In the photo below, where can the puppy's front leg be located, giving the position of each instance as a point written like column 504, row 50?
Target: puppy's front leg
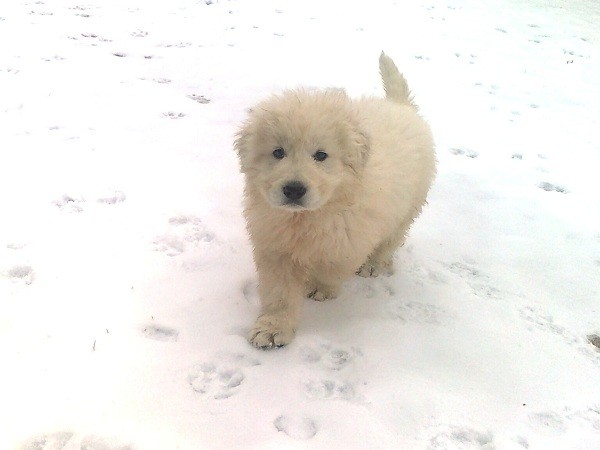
column 281, row 289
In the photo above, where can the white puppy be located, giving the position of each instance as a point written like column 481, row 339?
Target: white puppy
column 332, row 187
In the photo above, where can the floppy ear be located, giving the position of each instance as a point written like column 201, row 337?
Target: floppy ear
column 241, row 144
column 358, row 145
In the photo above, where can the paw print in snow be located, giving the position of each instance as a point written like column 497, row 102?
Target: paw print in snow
column 199, row 98
column 93, row 36
column 70, row 204
column 548, row 421
column 16, row 245
column 185, row 231
column 215, row 382
column 590, row 415
column 549, row 187
column 324, row 378
column 558, row 422
column 116, row 197
column 547, row 324
column 327, row 356
column 67, row 440
column 464, row 270
column 173, row 115
column 221, row 379
column 462, row 152
column 160, row 333
column 51, row 441
column 417, row 312
column 23, row 274
column 325, row 388
column 461, row 437
column 478, row 281
column 301, row 428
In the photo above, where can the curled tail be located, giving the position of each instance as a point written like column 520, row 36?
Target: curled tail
column 396, row 88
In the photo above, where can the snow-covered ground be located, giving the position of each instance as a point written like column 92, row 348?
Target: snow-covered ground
column 126, row 278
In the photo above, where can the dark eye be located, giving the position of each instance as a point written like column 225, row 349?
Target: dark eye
column 320, row 156
column 279, row 153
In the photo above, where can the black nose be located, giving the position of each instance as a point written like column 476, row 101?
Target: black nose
column 294, row 190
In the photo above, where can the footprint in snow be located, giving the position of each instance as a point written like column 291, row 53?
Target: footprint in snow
column 22, row 274
column 464, row 152
column 51, row 441
column 548, row 421
column 416, row 312
column 173, row 115
column 160, row 333
column 184, row 232
column 296, row 427
column 326, row 377
column 116, row 197
column 423, row 275
column 546, row 323
column 70, row 204
column 16, row 245
column 461, row 437
column 549, row 187
column 222, row 378
column 326, row 388
column 199, row 98
column 93, row 36
column 328, row 356
column 586, row 345
column 63, row 440
column 178, row 45
column 478, row 281
column 557, row 422
column 589, row 415
column 216, row 382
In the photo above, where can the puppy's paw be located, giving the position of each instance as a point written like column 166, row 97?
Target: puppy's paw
column 270, row 332
column 322, row 293
column 372, row 269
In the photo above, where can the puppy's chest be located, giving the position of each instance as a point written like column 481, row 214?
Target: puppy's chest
column 311, row 239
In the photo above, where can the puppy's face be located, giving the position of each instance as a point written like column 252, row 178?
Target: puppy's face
column 298, row 149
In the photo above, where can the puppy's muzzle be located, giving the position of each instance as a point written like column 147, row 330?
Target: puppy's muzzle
column 294, row 191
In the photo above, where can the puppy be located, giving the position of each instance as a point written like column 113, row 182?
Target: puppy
column 332, row 187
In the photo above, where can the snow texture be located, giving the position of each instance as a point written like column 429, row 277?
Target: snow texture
column 126, row 277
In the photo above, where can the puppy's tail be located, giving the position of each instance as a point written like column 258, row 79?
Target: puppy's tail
column 396, row 88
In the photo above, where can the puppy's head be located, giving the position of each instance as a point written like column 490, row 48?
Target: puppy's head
column 297, row 149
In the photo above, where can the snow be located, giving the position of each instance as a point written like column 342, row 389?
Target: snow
column 126, row 277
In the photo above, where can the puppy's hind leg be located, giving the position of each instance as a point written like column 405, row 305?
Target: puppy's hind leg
column 320, row 291
column 381, row 260
column 327, row 279
column 280, row 288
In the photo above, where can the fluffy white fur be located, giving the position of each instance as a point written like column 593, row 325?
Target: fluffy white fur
column 359, row 203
